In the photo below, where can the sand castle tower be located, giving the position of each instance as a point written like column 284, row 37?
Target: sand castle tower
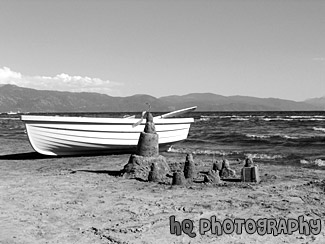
column 189, row 167
column 188, row 173
column 250, row 172
column 146, row 163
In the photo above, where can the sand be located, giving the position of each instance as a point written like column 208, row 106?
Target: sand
column 83, row 200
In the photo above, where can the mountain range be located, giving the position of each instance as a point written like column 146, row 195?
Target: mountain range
column 14, row 98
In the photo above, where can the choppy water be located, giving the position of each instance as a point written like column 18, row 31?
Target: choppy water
column 283, row 137
column 288, row 137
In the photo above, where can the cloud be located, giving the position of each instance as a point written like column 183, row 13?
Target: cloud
column 61, row 82
column 7, row 74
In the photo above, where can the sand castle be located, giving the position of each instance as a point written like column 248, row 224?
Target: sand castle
column 146, row 163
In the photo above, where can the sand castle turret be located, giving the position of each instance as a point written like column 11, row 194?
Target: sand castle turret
column 217, row 166
column 146, row 163
column 250, row 172
column 226, row 171
column 178, row 178
column 212, row 177
column 189, row 168
column 148, row 145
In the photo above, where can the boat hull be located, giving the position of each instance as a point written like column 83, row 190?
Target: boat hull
column 60, row 136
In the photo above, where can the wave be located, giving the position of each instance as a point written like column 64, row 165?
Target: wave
column 240, row 119
column 263, row 156
column 204, row 118
column 293, row 137
column 197, row 151
column 257, row 136
column 274, row 136
column 276, row 119
column 319, row 129
column 198, row 140
column 316, row 162
column 306, row 117
column 265, row 117
column 293, row 119
column 232, row 117
column 296, row 136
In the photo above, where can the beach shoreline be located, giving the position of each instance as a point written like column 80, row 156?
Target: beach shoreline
column 83, row 200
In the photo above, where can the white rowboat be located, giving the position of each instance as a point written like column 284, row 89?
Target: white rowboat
column 59, row 135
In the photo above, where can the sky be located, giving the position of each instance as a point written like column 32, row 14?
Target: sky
column 261, row 48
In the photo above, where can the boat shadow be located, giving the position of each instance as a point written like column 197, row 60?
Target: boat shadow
column 23, row 156
column 36, row 155
column 108, row 172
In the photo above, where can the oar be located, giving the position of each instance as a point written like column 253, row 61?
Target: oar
column 176, row 113
column 142, row 116
column 141, row 119
column 168, row 115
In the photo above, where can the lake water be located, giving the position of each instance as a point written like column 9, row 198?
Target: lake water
column 285, row 137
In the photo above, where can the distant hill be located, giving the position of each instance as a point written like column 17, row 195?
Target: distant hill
column 14, row 98
column 318, row 102
column 213, row 102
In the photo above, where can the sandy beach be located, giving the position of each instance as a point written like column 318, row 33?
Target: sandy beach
column 84, row 200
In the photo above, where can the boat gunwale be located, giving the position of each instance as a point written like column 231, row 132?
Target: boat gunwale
column 100, row 120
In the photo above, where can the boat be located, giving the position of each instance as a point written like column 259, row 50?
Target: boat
column 64, row 135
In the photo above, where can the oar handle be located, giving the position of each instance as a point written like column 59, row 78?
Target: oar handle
column 177, row 112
